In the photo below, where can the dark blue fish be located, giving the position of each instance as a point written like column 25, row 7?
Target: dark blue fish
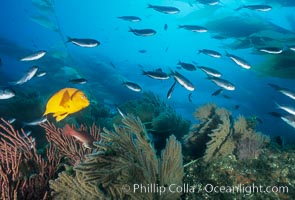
column 209, row 2
column 157, row 74
column 142, row 32
column 164, row 9
column 217, row 92
column 142, row 51
column 226, row 96
column 165, row 27
column 187, row 66
column 112, row 64
column 84, row 42
column 132, row 86
column 271, row 50
column 78, row 81
column 194, row 28
column 130, row 18
column 211, row 53
column 190, row 96
column 170, row 91
column 262, row 8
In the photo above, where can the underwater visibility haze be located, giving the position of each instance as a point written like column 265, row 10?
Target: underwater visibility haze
column 99, row 97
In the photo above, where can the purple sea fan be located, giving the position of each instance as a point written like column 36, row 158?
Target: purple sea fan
column 250, row 147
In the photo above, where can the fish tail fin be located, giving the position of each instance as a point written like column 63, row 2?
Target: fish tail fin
column 143, row 72
column 171, row 72
column 150, row 6
column 130, row 29
column 179, row 62
column 276, row 87
column 239, row 8
column 180, row 26
column 200, row 51
column 278, row 105
column 69, row 39
column 24, row 124
column 13, row 83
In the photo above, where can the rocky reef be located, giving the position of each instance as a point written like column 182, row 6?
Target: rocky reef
column 221, row 157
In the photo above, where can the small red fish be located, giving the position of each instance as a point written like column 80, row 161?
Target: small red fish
column 83, row 137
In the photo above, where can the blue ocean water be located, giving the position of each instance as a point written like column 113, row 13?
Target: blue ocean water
column 29, row 26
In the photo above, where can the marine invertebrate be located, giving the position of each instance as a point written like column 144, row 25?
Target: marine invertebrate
column 24, row 174
column 219, row 135
column 123, row 157
column 249, row 143
column 68, row 146
column 222, row 136
column 159, row 119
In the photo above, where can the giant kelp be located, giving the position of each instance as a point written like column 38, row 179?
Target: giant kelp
column 123, row 157
column 281, row 65
column 239, row 26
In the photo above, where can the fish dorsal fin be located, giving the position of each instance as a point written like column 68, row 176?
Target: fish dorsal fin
column 158, row 70
column 65, row 99
column 74, row 94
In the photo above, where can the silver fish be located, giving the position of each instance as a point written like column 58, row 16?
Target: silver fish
column 290, row 120
column 35, row 122
column 239, row 61
column 194, row 28
column 170, row 91
column 288, row 109
column 187, row 66
column 157, row 74
column 284, row 91
column 271, row 50
column 142, row 32
column 28, row 133
column 78, row 81
column 89, row 43
column 34, row 56
column 210, row 71
column 222, row 83
column 292, row 47
column 262, row 8
column 6, row 93
column 121, row 112
column 209, row 2
column 130, row 18
column 11, row 120
column 28, row 76
column 164, row 9
column 211, row 53
column 183, row 81
column 40, row 74
column 133, row 86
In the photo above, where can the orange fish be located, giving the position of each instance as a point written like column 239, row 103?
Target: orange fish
column 65, row 102
column 85, row 138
